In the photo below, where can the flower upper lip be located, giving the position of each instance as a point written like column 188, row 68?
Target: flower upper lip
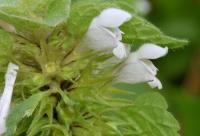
column 104, row 33
column 113, row 17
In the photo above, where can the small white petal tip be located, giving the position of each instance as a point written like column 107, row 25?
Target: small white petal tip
column 113, row 17
column 151, row 51
column 156, row 84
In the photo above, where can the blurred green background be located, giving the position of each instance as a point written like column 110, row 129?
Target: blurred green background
column 180, row 69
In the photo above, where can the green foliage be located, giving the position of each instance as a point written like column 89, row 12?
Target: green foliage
column 151, row 108
column 31, row 18
column 139, row 31
column 25, row 109
column 123, row 115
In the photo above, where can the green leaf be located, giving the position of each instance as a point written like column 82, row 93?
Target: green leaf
column 139, row 31
column 33, row 16
column 25, row 109
column 148, row 117
column 127, row 5
column 38, row 126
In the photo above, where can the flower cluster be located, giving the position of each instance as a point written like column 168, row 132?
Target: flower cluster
column 104, row 35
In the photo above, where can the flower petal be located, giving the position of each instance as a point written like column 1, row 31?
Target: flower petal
column 151, row 51
column 118, row 33
column 120, row 51
column 150, row 66
column 94, row 23
column 100, row 39
column 156, row 83
column 113, row 17
column 134, row 72
column 7, row 95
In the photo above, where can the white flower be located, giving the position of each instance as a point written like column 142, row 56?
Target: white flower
column 104, row 33
column 138, row 68
column 5, row 99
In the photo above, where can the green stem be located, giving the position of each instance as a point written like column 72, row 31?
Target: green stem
column 44, row 50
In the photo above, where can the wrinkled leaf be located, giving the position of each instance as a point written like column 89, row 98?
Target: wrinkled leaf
column 148, row 117
column 139, row 31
